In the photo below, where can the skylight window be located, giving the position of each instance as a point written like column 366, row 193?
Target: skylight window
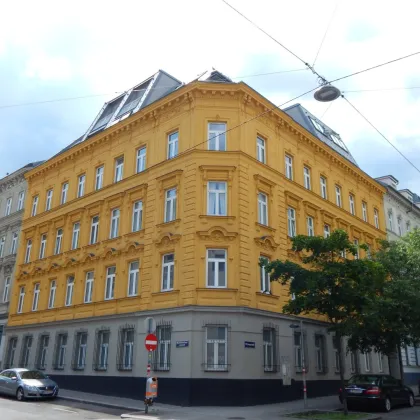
column 107, row 114
column 317, row 125
column 134, row 99
column 336, row 139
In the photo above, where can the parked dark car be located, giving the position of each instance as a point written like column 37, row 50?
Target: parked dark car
column 377, row 391
column 25, row 383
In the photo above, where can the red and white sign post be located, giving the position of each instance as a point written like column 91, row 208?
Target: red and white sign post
column 150, row 343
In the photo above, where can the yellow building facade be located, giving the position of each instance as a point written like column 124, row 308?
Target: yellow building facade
column 171, row 229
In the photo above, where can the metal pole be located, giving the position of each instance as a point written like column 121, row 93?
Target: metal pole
column 149, row 360
column 305, row 398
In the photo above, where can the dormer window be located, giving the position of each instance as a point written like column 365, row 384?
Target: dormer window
column 317, row 125
column 107, row 114
column 337, row 140
column 133, row 99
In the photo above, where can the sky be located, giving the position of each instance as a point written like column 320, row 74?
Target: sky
column 92, row 49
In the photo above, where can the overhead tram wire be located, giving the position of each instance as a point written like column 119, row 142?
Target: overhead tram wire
column 380, row 89
column 381, row 134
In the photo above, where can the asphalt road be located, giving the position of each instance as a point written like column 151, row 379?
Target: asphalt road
column 10, row 409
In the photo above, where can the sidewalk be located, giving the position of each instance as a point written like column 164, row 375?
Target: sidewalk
column 164, row 411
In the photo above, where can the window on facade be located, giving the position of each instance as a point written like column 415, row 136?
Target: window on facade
column 317, row 125
column 58, row 241
column 115, row 223
column 288, row 166
column 351, row 204
column 367, row 361
column 323, row 187
column 217, row 136
column 41, row 362
column 356, row 244
column 269, row 348
column 42, row 246
column 163, row 351
column 51, row 297
column 110, row 283
column 75, row 236
column 390, row 221
column 262, row 209
column 364, row 212
column 137, row 216
column 141, row 160
column 35, row 299
column 34, row 206
column 399, row 226
column 376, row 218
column 133, row 278
column 298, row 351
column 172, row 145
column 170, row 205
column 2, row 242
column 81, row 186
column 336, row 359
column 261, row 150
column 21, row 199
column 79, row 357
column 89, row 287
column 320, row 356
column 327, row 231
column 26, row 351
column 28, row 251
column 291, row 222
column 265, row 285
column 216, row 199
column 64, row 191
column 94, row 230
column 8, row 206
column 380, row 362
column 310, row 226
column 216, row 268
column 69, row 291
column 48, row 201
column 13, row 247
column 99, row 178
column 168, row 266
column 11, row 352
column 6, row 290
column 126, row 349
column 216, row 348
column 307, row 177
column 119, row 167
column 368, row 252
column 338, row 195
column 407, row 226
column 60, row 353
column 101, row 352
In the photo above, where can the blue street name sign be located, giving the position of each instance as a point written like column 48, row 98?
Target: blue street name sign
column 250, row 344
column 182, row 344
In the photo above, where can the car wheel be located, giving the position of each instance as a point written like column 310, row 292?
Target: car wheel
column 387, row 405
column 20, row 395
column 411, row 400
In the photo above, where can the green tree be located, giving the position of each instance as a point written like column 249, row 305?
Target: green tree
column 327, row 283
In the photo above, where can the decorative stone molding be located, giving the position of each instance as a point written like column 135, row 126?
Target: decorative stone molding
column 263, row 184
column 167, row 239
column 267, row 243
column 217, row 234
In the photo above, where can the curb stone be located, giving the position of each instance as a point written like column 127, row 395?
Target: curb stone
column 99, row 404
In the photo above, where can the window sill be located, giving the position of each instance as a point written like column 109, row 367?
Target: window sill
column 266, row 227
column 135, row 233
column 213, row 216
column 220, row 289
column 111, row 239
column 166, row 292
column 164, row 224
column 268, row 295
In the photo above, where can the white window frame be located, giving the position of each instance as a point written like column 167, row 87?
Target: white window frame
column 262, row 208
column 75, row 236
column 2, row 245
column 119, row 169
column 58, row 241
column 99, row 177
column 45, row 340
column 48, row 200
column 115, row 223
column 307, row 177
column 215, row 342
column 356, row 244
column 291, row 222
column 34, row 205
column 6, row 290
column 26, row 350
column 133, row 278
column 380, row 362
column 265, row 283
column 170, row 205
column 89, row 283
column 310, row 226
column 399, row 226
column 261, row 150
column 323, row 187
column 69, row 291
column 103, row 346
column 338, row 201
column 13, row 247
column 8, row 209
column 141, row 160
column 64, row 191
column 127, row 363
column 269, row 348
column 35, row 299
column 376, row 217
column 28, row 251
column 170, row 268
column 43, row 246
column 94, row 230
column 137, row 219
column 214, row 135
column 352, row 205
column 391, row 221
column 21, row 300
column 51, row 295
column 81, row 186
column 327, row 230
column 62, row 345
column 367, row 361
column 81, row 350
column 21, row 199
column 288, row 167
column 364, row 211
column 218, row 282
column 217, row 195
column 319, row 353
column 111, row 273
column 164, row 347
column 172, row 144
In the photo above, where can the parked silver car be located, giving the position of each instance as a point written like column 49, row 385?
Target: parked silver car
column 25, row 383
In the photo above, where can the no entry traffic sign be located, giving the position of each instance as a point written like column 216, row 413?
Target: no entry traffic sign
column 150, row 342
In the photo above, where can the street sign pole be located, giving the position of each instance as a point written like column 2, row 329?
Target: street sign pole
column 150, row 343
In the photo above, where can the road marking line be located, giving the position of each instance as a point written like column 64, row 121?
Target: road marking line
column 63, row 409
